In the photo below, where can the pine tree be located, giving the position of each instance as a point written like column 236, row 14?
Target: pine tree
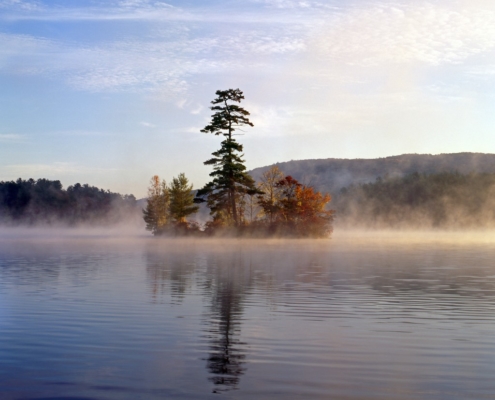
column 230, row 181
column 181, row 199
column 156, row 213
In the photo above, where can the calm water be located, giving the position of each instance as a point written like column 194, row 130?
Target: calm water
column 355, row 317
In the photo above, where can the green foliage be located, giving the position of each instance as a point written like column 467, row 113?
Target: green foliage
column 157, row 211
column 181, row 199
column 230, row 181
column 168, row 207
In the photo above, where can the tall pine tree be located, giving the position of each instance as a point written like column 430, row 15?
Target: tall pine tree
column 230, row 180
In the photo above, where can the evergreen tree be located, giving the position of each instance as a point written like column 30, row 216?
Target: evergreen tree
column 156, row 214
column 230, row 181
column 181, row 199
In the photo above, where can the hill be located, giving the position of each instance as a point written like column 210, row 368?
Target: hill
column 332, row 174
column 443, row 200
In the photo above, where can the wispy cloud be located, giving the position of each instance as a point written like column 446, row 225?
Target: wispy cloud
column 147, row 124
column 368, row 35
column 406, row 33
column 21, row 5
column 141, row 65
column 131, row 10
column 11, row 137
column 294, row 4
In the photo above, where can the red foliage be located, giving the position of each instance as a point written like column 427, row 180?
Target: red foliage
column 301, row 211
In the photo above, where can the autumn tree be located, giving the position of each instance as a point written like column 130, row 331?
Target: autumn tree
column 313, row 219
column 288, row 203
column 230, row 180
column 156, row 214
column 271, row 192
column 251, row 207
column 181, row 199
column 298, row 210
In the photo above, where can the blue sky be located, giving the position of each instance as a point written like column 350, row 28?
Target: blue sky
column 112, row 92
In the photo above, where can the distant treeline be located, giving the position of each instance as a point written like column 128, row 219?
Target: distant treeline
column 42, row 201
column 333, row 174
column 442, row 200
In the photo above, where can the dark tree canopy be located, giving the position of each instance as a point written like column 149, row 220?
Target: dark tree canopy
column 227, row 116
column 44, row 201
column 230, row 180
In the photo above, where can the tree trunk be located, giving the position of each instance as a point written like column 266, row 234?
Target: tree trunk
column 232, row 204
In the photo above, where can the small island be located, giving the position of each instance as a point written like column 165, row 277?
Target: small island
column 278, row 206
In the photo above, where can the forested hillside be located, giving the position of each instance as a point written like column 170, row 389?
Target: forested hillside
column 332, row 174
column 443, row 200
column 30, row 202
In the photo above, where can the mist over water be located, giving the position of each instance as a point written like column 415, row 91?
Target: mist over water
column 375, row 315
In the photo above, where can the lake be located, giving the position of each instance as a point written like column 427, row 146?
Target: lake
column 360, row 316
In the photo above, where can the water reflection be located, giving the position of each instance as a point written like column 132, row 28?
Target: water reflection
column 39, row 265
column 252, row 319
column 171, row 273
column 317, row 283
column 229, row 279
column 224, row 284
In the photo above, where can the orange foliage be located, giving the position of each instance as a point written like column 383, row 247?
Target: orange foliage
column 300, row 211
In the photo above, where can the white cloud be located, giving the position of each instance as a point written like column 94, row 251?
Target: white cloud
column 133, row 4
column 16, row 45
column 21, row 5
column 142, row 65
column 11, row 137
column 147, row 124
column 421, row 32
column 292, row 4
column 285, row 3
column 126, row 10
column 323, row 47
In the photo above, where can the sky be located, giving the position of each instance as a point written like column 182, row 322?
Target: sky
column 112, row 92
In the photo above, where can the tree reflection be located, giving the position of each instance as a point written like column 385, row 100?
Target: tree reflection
column 311, row 282
column 229, row 278
column 225, row 361
column 223, row 282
